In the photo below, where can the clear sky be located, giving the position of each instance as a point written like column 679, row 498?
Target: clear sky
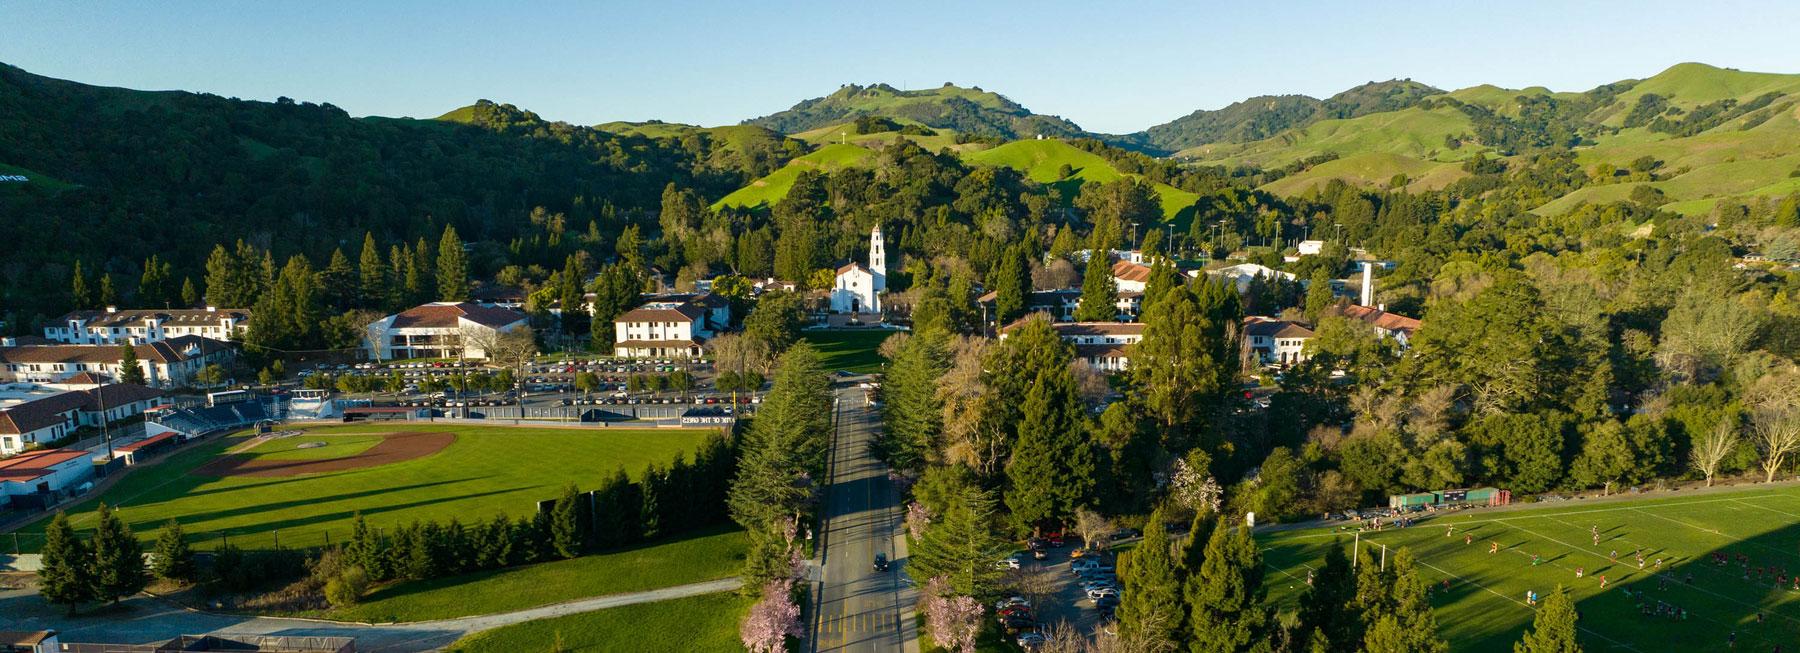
column 1110, row 67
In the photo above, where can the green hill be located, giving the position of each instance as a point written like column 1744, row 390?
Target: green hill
column 1262, row 117
column 845, row 132
column 1041, row 161
column 1412, row 132
column 970, row 110
column 774, row 186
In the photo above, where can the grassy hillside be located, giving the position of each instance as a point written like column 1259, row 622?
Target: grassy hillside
column 1412, row 132
column 943, row 137
column 1041, row 160
column 774, row 186
column 1370, row 170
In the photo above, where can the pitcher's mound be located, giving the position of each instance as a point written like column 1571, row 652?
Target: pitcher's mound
column 393, row 448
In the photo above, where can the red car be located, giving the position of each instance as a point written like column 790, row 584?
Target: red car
column 1055, row 540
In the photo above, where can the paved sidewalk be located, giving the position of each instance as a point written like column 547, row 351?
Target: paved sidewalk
column 147, row 619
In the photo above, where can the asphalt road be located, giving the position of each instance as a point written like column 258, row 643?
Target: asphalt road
column 860, row 609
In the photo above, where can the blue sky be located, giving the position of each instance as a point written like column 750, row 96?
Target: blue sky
column 1113, row 68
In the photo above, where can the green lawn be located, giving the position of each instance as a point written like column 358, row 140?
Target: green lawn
column 487, row 471
column 695, row 558
column 698, row 623
column 849, row 349
column 1484, row 609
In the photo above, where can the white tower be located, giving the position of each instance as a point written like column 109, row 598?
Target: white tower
column 878, row 259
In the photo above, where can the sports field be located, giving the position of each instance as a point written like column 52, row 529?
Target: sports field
column 304, row 487
column 697, row 624
column 1484, row 607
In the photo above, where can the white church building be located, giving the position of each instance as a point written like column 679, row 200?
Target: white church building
column 858, row 289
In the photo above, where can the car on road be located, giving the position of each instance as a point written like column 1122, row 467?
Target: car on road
column 1009, row 562
column 881, row 562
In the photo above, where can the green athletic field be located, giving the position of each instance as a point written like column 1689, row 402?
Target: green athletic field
column 487, row 471
column 708, row 622
column 1484, row 608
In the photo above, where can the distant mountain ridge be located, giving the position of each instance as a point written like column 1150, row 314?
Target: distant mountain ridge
column 968, row 110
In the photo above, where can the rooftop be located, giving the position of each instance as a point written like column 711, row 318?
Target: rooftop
column 32, row 465
column 449, row 315
column 139, row 317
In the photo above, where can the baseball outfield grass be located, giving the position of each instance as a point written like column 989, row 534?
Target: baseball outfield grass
column 484, row 471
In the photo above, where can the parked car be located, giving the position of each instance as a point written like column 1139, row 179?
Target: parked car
column 1030, row 641
column 1054, row 539
column 1010, row 602
column 1009, row 562
column 1098, row 592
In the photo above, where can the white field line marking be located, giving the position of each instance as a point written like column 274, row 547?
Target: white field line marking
column 1753, row 606
column 1528, row 607
column 1763, row 507
column 1527, row 514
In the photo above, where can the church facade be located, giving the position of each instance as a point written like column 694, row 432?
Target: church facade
column 858, row 288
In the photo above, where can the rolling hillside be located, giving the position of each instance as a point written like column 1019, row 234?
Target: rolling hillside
column 774, row 186
column 1038, row 160
column 969, row 110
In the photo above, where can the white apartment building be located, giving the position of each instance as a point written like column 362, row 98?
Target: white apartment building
column 439, row 330
column 141, row 326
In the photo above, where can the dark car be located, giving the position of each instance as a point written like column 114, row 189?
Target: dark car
column 881, row 562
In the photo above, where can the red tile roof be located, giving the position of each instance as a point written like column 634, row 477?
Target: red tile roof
column 134, row 446
column 1380, row 319
column 1124, row 270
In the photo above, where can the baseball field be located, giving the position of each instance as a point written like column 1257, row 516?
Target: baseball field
column 303, row 486
column 1712, row 563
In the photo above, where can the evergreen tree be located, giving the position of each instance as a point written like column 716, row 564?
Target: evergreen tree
column 1099, row 293
column 338, row 282
column 66, row 574
column 1011, row 285
column 118, row 559
column 174, row 558
column 569, row 297
column 615, row 515
column 1415, row 628
column 190, row 296
column 452, row 268
column 1327, row 614
column 1052, row 466
column 372, row 275
column 1553, row 629
column 221, row 277
column 961, row 547
column 565, row 524
column 80, row 295
column 615, row 291
column 1150, row 606
column 1189, row 355
column 130, row 371
column 911, row 409
column 1226, row 597
column 108, row 295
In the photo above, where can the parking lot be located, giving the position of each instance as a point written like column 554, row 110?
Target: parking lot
column 1054, row 591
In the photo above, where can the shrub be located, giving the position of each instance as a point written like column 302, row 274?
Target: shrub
column 347, row 588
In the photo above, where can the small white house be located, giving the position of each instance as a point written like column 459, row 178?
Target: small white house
column 661, row 330
column 1276, row 342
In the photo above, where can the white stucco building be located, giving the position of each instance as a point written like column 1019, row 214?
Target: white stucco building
column 166, row 363
column 1276, row 342
column 140, row 326
column 439, row 330
column 1102, row 345
column 858, row 289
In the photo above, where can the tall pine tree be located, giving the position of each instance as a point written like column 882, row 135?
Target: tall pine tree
column 118, row 559
column 452, row 267
column 1052, row 465
column 130, row 370
column 174, row 559
column 1099, row 293
column 65, row 576
column 1226, row 598
column 372, row 287
column 1151, row 610
column 1553, row 629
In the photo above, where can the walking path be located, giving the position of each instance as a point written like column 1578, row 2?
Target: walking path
column 149, row 619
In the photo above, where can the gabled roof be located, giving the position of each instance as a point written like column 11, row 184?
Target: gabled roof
column 1380, row 319
column 172, row 350
column 1074, row 329
column 119, row 394
column 1273, row 328
column 851, row 266
column 1124, row 270
column 676, row 313
column 138, row 317
column 40, row 414
column 448, row 315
